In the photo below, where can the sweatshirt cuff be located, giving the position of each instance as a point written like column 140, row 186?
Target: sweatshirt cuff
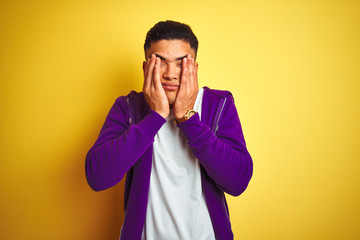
column 151, row 123
column 191, row 126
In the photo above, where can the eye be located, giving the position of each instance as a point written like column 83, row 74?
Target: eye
column 179, row 64
column 162, row 64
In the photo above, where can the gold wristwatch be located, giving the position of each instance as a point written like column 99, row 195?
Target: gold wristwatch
column 188, row 115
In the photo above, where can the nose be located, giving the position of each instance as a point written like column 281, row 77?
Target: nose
column 171, row 72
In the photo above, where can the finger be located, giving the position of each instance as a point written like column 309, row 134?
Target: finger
column 147, row 66
column 194, row 81
column 191, row 71
column 196, row 74
column 184, row 73
column 156, row 74
column 190, row 64
column 149, row 72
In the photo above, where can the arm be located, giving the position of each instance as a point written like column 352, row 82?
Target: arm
column 119, row 146
column 224, row 155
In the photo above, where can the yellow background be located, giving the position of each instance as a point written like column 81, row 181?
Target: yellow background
column 293, row 67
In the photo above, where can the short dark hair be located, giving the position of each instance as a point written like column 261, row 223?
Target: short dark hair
column 170, row 30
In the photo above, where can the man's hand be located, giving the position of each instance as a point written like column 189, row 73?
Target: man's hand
column 154, row 93
column 188, row 90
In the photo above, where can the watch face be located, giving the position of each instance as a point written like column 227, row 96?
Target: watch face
column 191, row 113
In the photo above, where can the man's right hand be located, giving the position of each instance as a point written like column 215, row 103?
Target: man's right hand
column 154, row 93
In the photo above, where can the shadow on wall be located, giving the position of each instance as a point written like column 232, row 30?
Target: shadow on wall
column 101, row 212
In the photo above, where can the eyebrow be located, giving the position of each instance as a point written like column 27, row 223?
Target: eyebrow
column 163, row 58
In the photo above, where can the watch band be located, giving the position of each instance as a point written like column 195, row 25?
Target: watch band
column 188, row 115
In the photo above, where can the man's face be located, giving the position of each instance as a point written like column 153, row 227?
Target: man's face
column 171, row 53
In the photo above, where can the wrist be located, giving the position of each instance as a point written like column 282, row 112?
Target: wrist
column 164, row 115
column 180, row 114
column 161, row 111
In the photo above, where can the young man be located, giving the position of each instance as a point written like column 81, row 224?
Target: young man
column 181, row 147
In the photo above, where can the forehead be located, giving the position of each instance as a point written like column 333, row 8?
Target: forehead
column 170, row 49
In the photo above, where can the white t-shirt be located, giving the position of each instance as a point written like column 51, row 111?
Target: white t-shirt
column 176, row 208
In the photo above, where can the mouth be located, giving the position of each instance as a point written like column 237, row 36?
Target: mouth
column 170, row 87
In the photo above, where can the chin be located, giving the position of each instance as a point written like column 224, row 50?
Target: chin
column 171, row 96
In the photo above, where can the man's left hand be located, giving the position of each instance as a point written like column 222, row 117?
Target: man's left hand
column 186, row 96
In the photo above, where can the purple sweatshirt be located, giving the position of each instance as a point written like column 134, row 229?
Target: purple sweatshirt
column 122, row 147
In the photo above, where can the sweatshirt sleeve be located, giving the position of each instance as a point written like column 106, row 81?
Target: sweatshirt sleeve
column 224, row 155
column 119, row 145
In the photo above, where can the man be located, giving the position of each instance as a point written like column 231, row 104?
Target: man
column 181, row 147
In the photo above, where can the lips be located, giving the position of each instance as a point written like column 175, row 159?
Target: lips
column 170, row 87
